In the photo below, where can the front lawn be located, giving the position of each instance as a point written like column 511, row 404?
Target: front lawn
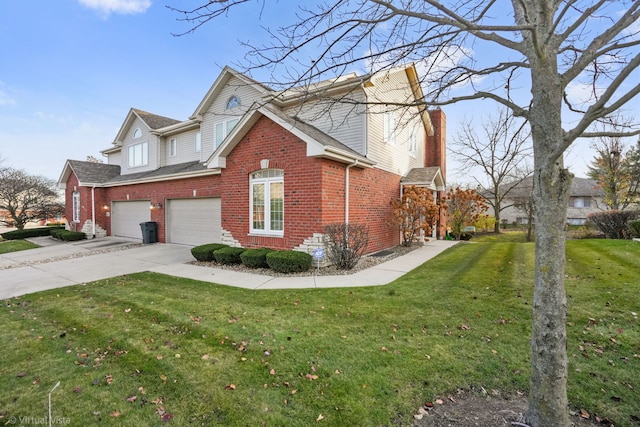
column 7, row 246
column 147, row 348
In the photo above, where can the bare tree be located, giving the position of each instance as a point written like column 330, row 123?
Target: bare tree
column 530, row 56
column 26, row 198
column 612, row 167
column 500, row 154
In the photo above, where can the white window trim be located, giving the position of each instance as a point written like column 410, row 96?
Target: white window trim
column 197, row 146
column 132, row 160
column 76, row 206
column 413, row 141
column 173, row 147
column 226, row 126
column 389, row 128
column 266, row 181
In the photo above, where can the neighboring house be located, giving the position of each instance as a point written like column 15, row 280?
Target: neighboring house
column 257, row 168
column 586, row 197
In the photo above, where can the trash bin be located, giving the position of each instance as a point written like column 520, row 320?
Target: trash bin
column 149, row 231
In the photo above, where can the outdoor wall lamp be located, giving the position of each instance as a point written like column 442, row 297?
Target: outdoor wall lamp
column 159, row 206
column 105, row 207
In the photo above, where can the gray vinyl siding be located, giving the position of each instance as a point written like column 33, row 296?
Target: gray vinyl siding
column 395, row 157
column 344, row 121
column 217, row 110
column 115, row 158
column 185, row 148
column 147, row 136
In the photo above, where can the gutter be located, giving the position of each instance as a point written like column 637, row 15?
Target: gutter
column 93, row 210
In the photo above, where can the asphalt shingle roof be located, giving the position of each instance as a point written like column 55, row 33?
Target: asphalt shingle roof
column 94, row 173
column 155, row 121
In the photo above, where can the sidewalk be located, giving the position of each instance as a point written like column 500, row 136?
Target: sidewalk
column 57, row 264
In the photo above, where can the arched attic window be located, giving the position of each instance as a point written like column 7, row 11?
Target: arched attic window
column 137, row 133
column 233, row 102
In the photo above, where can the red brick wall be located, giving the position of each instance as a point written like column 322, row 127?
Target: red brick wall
column 314, row 191
column 436, row 155
column 159, row 192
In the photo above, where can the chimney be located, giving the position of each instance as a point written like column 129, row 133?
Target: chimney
column 436, row 149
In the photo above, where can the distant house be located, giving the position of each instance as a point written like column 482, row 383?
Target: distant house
column 586, row 197
column 253, row 167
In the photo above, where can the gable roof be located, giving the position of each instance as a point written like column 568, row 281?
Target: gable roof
column 319, row 144
column 91, row 174
column 88, row 173
column 580, row 187
column 151, row 121
column 430, row 177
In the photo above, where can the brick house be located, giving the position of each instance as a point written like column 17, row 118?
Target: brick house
column 253, row 167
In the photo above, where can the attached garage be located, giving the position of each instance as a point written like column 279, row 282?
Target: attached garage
column 126, row 217
column 194, row 221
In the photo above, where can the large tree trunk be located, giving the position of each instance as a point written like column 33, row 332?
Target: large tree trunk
column 548, row 405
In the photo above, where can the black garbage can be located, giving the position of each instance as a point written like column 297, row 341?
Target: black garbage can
column 149, row 231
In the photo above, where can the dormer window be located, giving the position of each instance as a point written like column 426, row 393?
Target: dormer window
column 233, row 102
column 137, row 133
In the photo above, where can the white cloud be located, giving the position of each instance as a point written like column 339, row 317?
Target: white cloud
column 118, row 6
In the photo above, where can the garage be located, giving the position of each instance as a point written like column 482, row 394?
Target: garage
column 194, row 221
column 126, row 217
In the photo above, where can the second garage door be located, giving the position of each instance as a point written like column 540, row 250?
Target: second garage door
column 194, row 221
column 127, row 216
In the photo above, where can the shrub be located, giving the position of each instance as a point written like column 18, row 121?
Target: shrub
column 289, row 261
column 205, row 252
column 29, row 232
column 346, row 243
column 228, row 255
column 634, row 227
column 614, row 224
column 68, row 235
column 255, row 258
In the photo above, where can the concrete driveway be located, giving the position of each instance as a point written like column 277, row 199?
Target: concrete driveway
column 58, row 264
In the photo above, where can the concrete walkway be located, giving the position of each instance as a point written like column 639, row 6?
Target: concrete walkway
column 57, row 264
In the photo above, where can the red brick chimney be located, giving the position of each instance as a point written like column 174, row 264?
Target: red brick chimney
column 436, row 150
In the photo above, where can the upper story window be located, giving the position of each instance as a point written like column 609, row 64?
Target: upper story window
column 414, row 136
column 173, row 147
column 222, row 129
column 580, row 202
column 267, row 202
column 233, row 102
column 137, row 133
column 389, row 128
column 138, row 154
column 198, row 143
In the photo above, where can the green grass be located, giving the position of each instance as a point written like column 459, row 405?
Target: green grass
column 15, row 245
column 357, row 356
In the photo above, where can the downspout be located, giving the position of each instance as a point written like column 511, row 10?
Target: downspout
column 93, row 210
column 346, row 191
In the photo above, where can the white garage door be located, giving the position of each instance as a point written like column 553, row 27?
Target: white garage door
column 127, row 216
column 194, row 221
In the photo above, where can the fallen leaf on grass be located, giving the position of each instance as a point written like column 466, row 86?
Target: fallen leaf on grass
column 21, row 374
column 205, row 357
column 230, row 387
column 132, row 399
column 320, row 417
column 114, row 414
column 272, row 372
column 311, row 377
column 36, row 381
column 584, row 414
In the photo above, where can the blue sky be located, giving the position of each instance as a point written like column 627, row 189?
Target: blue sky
column 71, row 70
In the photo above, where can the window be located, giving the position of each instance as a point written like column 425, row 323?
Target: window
column 389, row 128
column 267, row 202
column 76, row 206
column 137, row 133
column 233, row 102
column 198, row 144
column 580, row 202
column 413, row 141
column 139, row 154
column 222, row 129
column 173, row 147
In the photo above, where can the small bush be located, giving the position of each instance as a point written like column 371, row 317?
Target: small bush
column 255, row 258
column 289, row 261
column 634, row 228
column 614, row 224
column 68, row 235
column 228, row 255
column 346, row 244
column 29, row 232
column 205, row 252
